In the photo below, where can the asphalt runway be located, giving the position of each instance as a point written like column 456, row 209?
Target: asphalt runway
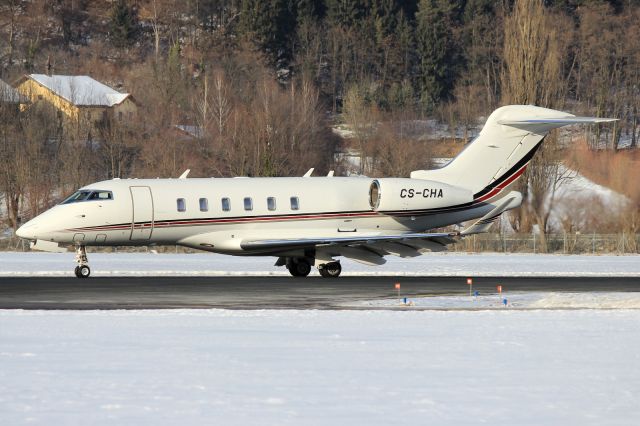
column 264, row 292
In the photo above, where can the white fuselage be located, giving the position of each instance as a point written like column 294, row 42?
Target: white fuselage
column 190, row 212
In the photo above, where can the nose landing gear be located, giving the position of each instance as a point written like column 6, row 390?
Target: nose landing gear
column 82, row 270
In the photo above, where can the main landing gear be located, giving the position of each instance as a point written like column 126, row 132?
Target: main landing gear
column 330, row 270
column 82, row 270
column 301, row 267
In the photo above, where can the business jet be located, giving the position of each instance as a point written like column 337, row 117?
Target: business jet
column 309, row 221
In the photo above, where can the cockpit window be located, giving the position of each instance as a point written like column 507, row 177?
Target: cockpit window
column 101, row 195
column 88, row 195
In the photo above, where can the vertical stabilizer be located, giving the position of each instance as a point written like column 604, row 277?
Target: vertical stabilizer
column 502, row 150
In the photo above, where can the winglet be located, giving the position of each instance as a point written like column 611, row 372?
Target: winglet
column 185, row 174
column 308, row 173
column 511, row 201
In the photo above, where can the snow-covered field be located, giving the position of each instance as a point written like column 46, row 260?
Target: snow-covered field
column 433, row 264
column 219, row 367
column 464, row 360
column 508, row 300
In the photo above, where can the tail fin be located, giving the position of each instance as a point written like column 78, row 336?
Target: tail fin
column 500, row 154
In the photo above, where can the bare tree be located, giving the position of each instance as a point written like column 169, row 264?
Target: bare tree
column 362, row 118
column 534, row 44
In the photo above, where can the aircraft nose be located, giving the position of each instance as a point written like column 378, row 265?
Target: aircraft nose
column 27, row 231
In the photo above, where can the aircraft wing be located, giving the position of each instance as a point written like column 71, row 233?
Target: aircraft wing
column 369, row 250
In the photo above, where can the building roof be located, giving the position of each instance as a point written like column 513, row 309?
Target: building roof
column 10, row 95
column 80, row 90
column 196, row 132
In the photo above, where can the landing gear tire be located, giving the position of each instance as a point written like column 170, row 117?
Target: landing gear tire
column 83, row 271
column 301, row 268
column 330, row 270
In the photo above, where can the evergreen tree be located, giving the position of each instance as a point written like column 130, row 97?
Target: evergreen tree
column 309, row 10
column 124, row 24
column 345, row 13
column 436, row 50
column 384, row 12
column 404, row 33
column 270, row 25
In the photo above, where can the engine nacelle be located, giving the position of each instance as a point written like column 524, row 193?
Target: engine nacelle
column 393, row 194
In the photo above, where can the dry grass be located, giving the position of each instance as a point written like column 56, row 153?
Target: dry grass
column 618, row 170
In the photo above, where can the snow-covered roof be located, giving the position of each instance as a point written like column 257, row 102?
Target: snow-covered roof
column 9, row 94
column 81, row 90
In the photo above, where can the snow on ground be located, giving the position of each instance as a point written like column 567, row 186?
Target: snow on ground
column 516, row 300
column 577, row 185
column 320, row 367
column 431, row 264
column 578, row 190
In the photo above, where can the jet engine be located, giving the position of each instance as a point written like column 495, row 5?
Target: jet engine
column 396, row 194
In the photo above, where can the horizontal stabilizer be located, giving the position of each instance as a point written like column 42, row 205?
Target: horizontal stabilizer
column 560, row 121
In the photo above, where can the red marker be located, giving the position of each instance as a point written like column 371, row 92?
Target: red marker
column 469, row 281
column 397, row 286
column 499, row 289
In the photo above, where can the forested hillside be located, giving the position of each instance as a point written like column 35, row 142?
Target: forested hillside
column 264, row 81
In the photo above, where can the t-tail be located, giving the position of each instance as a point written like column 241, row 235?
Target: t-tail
column 502, row 150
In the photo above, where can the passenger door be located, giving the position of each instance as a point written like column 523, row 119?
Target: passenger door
column 142, row 205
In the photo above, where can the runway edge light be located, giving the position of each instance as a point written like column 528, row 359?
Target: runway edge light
column 470, row 284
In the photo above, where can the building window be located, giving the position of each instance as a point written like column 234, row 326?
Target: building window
column 226, row 204
column 295, row 203
column 248, row 203
column 39, row 97
column 182, row 206
column 204, row 205
column 271, row 203
column 120, row 115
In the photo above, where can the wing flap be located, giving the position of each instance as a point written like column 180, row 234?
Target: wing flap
column 293, row 243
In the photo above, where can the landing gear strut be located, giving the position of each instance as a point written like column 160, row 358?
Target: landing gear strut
column 330, row 270
column 82, row 270
column 299, row 267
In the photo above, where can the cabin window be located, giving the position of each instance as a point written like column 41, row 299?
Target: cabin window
column 271, row 203
column 182, row 205
column 295, row 203
column 226, row 204
column 248, row 203
column 204, row 205
column 120, row 115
